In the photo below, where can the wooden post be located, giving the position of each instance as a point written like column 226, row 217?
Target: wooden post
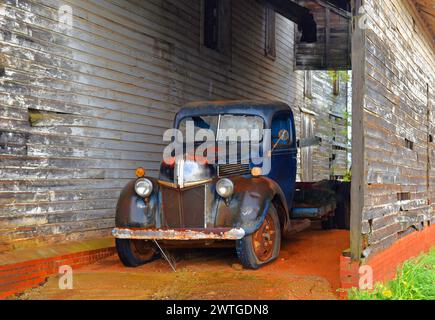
column 358, row 147
column 429, row 165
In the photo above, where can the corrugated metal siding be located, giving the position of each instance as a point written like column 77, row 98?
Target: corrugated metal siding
column 400, row 66
column 80, row 108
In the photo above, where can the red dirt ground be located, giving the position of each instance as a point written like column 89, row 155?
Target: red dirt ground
column 308, row 268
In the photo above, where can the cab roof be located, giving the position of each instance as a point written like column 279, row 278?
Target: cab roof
column 264, row 109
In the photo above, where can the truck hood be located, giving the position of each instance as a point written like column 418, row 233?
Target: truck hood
column 185, row 172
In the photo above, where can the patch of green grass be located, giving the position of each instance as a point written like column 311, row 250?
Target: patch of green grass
column 415, row 280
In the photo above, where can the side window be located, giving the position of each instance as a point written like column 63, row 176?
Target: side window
column 282, row 122
column 216, row 34
column 211, row 24
column 270, row 45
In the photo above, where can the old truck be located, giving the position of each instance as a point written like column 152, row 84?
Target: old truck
column 196, row 202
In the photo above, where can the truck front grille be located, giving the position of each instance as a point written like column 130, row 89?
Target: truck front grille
column 183, row 208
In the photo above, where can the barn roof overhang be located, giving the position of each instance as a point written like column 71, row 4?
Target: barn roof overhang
column 323, row 37
column 300, row 12
column 426, row 13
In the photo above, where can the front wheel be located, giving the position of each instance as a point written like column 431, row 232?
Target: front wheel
column 134, row 253
column 263, row 246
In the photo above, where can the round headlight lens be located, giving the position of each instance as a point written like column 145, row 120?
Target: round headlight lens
column 143, row 187
column 225, row 188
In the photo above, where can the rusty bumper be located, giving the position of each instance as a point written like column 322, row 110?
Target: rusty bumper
column 174, row 234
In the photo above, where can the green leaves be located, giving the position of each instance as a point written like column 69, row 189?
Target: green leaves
column 339, row 75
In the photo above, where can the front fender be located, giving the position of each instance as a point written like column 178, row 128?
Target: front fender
column 133, row 211
column 250, row 203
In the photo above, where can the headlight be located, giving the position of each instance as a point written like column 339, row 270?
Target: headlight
column 225, row 188
column 143, row 187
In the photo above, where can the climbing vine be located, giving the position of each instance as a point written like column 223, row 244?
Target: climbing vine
column 341, row 75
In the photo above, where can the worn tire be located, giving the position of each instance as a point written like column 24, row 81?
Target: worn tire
column 245, row 247
column 134, row 253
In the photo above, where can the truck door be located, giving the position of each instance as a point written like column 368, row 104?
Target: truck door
column 284, row 156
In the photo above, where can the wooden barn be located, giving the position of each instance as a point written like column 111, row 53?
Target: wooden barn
column 83, row 105
column 87, row 89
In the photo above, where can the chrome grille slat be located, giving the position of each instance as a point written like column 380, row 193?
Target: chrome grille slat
column 226, row 170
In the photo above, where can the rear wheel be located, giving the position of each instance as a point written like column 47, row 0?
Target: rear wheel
column 134, row 253
column 342, row 213
column 328, row 223
column 263, row 246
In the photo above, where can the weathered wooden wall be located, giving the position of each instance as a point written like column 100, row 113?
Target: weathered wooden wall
column 330, row 157
column 332, row 50
column 81, row 107
column 399, row 77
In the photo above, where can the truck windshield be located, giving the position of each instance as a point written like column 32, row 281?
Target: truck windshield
column 225, row 127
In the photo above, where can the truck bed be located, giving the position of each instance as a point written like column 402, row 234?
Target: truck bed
column 313, row 201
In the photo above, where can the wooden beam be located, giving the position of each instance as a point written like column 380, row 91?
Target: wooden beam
column 333, row 8
column 424, row 26
column 358, row 143
column 429, row 164
column 289, row 9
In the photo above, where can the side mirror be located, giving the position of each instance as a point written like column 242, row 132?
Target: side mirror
column 283, row 135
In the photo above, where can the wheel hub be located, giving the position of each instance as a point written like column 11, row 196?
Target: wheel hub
column 263, row 240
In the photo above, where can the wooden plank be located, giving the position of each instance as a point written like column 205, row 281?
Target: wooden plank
column 358, row 139
column 398, row 71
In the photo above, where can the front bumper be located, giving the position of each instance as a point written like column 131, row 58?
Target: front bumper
column 177, row 234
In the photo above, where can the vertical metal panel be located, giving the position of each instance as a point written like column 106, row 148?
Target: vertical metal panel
column 184, row 208
column 194, row 212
